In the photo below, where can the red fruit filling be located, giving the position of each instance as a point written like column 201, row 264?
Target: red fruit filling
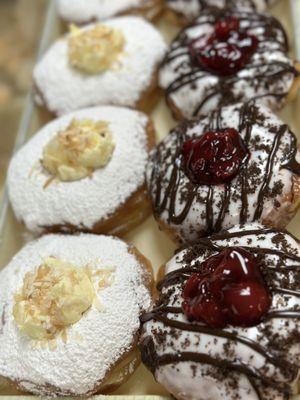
column 226, row 51
column 215, row 157
column 228, row 289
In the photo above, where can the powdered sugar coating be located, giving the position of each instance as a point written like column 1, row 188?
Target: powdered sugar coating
column 63, row 89
column 87, row 201
column 263, row 190
column 277, row 337
column 80, row 11
column 190, row 9
column 76, row 366
column 268, row 76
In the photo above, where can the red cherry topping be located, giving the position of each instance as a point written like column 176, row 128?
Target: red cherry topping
column 214, row 157
column 228, row 289
column 226, row 51
column 224, row 27
column 246, row 302
column 205, row 309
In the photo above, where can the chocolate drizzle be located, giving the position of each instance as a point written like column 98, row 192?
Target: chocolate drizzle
column 171, row 189
column 265, row 76
column 293, row 164
column 276, row 259
column 268, row 175
column 203, row 4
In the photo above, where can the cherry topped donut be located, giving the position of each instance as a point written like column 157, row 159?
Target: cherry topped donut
column 183, row 11
column 238, row 164
column 225, row 57
column 226, row 324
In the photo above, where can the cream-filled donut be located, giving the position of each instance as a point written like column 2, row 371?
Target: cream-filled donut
column 183, row 11
column 112, row 63
column 70, row 308
column 80, row 11
column 84, row 172
column 226, row 325
column 225, row 57
column 236, row 165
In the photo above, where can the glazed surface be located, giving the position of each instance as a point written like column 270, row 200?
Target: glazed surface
column 263, row 187
column 194, row 361
column 93, row 345
column 85, row 202
column 267, row 77
column 62, row 89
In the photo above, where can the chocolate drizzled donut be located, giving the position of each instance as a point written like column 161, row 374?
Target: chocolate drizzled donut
column 268, row 76
column 193, row 360
column 265, row 189
column 189, row 9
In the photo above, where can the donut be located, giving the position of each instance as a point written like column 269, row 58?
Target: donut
column 81, row 12
column 227, row 322
column 84, row 171
column 184, row 11
column 236, row 165
column 225, row 57
column 112, row 63
column 70, row 308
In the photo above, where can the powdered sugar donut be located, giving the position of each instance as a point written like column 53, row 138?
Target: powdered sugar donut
column 112, row 63
column 70, row 308
column 48, row 192
column 236, row 165
column 80, row 11
column 183, row 11
column 225, row 57
column 194, row 354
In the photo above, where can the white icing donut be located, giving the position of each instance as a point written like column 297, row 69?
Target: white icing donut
column 190, row 9
column 80, row 11
column 266, row 189
column 62, row 89
column 84, row 202
column 98, row 340
column 268, row 351
column 192, row 90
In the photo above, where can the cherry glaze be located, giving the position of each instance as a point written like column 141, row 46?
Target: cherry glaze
column 215, row 157
column 228, row 289
column 226, row 51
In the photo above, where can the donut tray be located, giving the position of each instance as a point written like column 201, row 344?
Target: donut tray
column 147, row 237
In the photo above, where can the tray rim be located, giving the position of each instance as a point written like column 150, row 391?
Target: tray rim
column 28, row 109
column 22, row 134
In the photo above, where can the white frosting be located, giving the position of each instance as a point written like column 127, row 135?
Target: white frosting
column 63, row 89
column 192, row 8
column 97, row 341
column 269, row 58
column 89, row 200
column 190, row 381
column 81, row 11
column 195, row 222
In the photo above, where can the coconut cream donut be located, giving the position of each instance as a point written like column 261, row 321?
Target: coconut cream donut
column 238, row 164
column 225, row 57
column 80, row 11
column 226, row 325
column 183, row 11
column 84, row 172
column 114, row 62
column 70, row 308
